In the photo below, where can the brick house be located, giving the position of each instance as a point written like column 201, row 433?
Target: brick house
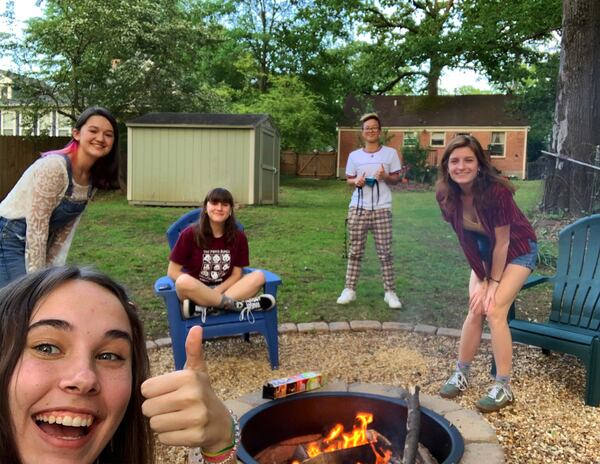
column 434, row 121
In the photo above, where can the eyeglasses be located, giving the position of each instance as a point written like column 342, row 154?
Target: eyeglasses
column 371, row 129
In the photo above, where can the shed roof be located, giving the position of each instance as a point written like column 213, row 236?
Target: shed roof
column 441, row 111
column 199, row 120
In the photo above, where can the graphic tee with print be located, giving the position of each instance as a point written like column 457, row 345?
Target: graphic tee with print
column 210, row 265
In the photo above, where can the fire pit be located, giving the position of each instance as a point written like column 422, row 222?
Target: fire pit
column 290, row 419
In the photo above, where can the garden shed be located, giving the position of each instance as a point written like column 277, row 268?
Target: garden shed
column 175, row 158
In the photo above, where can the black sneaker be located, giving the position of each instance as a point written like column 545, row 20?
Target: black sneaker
column 262, row 302
column 190, row 309
column 258, row 303
column 187, row 309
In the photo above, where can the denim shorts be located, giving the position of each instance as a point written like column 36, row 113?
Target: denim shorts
column 528, row 260
column 12, row 250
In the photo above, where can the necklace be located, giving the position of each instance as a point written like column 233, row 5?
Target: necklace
column 372, row 151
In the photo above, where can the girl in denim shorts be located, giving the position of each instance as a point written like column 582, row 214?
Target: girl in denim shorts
column 501, row 248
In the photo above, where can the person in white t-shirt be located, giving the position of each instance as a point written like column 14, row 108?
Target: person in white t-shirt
column 370, row 169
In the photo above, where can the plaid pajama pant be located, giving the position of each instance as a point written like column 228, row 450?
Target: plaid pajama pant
column 379, row 221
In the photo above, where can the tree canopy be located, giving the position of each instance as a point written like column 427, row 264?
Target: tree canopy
column 136, row 56
column 132, row 56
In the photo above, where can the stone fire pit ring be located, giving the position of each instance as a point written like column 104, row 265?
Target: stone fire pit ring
column 480, row 441
column 300, row 415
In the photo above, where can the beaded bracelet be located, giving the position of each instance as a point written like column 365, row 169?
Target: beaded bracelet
column 234, row 436
column 225, row 456
column 197, row 458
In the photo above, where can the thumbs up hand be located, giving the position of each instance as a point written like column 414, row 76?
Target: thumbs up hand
column 380, row 173
column 183, row 408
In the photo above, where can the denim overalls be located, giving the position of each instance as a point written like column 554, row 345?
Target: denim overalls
column 13, row 231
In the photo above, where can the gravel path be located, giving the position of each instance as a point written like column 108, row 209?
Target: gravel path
column 549, row 422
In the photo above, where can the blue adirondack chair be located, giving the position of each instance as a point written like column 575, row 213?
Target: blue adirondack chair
column 574, row 323
column 219, row 325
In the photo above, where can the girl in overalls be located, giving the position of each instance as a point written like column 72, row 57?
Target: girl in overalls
column 39, row 215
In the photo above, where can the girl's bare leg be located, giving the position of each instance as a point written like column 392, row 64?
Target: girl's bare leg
column 470, row 336
column 248, row 286
column 190, row 288
column 512, row 281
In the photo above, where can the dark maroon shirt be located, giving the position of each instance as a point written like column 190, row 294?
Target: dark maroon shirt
column 502, row 211
column 210, row 265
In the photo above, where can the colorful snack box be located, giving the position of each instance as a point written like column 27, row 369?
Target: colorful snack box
column 280, row 388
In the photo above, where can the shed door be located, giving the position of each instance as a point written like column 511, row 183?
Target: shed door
column 269, row 166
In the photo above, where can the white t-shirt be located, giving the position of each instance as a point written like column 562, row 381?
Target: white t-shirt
column 361, row 162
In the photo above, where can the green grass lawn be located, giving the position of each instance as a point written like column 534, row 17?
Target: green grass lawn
column 302, row 240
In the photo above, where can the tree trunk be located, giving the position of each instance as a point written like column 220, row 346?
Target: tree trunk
column 433, row 77
column 570, row 187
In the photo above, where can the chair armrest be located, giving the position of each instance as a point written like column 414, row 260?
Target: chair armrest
column 535, row 279
column 163, row 286
column 532, row 281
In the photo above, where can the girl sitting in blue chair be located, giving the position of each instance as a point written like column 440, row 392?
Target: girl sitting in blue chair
column 207, row 263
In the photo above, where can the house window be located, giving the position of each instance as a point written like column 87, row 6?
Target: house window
column 26, row 125
column 438, row 139
column 409, row 139
column 9, row 123
column 64, row 126
column 45, row 124
column 496, row 147
column 5, row 91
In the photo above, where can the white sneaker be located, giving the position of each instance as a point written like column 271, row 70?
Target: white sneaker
column 347, row 296
column 392, row 300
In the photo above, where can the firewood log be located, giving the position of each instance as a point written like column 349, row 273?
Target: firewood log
column 413, row 425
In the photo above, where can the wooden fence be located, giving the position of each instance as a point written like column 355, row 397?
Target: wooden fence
column 317, row 164
column 17, row 154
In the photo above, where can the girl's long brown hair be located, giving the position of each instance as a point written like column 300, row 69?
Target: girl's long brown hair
column 449, row 192
column 203, row 231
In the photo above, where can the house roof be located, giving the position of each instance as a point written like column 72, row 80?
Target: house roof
column 440, row 111
column 199, row 120
column 15, row 81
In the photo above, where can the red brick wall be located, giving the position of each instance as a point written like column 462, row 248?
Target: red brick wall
column 511, row 164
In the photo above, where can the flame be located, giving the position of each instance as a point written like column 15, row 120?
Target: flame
column 337, row 439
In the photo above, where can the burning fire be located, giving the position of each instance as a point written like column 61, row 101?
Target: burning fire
column 337, row 439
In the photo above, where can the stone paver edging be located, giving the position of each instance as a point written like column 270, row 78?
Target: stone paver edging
column 481, row 443
column 343, row 326
column 303, row 327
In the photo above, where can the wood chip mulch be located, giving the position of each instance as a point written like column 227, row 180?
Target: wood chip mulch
column 549, row 422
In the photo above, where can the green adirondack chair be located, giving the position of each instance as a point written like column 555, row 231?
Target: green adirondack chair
column 574, row 323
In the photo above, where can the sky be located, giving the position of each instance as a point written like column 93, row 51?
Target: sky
column 24, row 9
